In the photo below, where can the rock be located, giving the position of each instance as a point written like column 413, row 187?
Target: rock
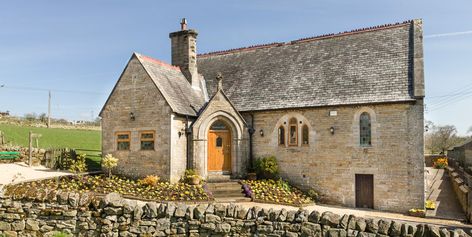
column 199, row 211
column 138, row 212
column 10, row 234
column 70, row 213
column 282, row 215
column 343, row 223
column 32, row 224
column 360, row 224
column 433, row 231
column 314, row 217
column 242, row 213
column 62, row 197
column 420, row 230
column 181, row 210
column 113, row 200
column 73, row 199
column 18, row 225
column 129, row 205
column 310, row 229
column 212, row 218
column 85, row 199
column 384, row 227
column 371, row 225
column 150, row 210
column 220, row 210
column 444, row 232
column 301, row 216
column 210, row 209
column 231, row 210
column 5, row 225
column 223, row 228
column 291, row 216
column 336, row 232
column 170, row 209
column 395, row 229
column 459, row 233
column 189, row 213
column 330, row 219
column 162, row 210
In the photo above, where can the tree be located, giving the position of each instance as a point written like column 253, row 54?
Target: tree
column 439, row 139
column 30, row 116
column 43, row 117
column 470, row 130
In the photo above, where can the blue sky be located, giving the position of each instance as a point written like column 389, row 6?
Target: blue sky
column 78, row 49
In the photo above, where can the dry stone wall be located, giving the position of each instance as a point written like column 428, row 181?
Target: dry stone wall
column 86, row 215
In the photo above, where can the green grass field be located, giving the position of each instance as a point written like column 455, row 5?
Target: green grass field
column 84, row 141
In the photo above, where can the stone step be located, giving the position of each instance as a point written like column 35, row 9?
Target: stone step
column 224, row 186
column 219, row 178
column 232, row 200
column 227, row 193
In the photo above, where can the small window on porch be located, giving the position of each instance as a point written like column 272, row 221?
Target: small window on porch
column 281, row 135
column 293, row 132
column 305, row 135
column 218, row 125
column 219, row 142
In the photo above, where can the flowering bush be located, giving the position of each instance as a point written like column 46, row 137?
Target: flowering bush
column 272, row 191
column 109, row 162
column 267, row 167
column 79, row 165
column 150, row 180
column 430, row 205
column 440, row 163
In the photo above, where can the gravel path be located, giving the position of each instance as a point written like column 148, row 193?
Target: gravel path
column 20, row 172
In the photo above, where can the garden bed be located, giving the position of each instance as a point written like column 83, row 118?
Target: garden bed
column 100, row 184
column 275, row 192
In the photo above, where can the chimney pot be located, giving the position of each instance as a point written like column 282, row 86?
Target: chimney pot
column 183, row 24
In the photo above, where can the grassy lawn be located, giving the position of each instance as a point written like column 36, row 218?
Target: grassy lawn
column 84, row 141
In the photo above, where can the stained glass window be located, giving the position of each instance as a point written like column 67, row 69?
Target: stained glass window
column 123, row 141
column 219, row 142
column 365, row 130
column 147, row 140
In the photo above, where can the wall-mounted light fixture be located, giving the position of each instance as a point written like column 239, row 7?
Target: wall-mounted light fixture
column 132, row 116
column 261, row 132
column 331, row 129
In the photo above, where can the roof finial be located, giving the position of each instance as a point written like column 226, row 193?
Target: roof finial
column 219, row 78
column 183, row 24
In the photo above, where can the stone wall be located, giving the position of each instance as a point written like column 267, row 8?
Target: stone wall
column 151, row 112
column 84, row 215
column 330, row 162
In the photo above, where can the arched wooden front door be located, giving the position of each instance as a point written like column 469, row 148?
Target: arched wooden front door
column 219, row 147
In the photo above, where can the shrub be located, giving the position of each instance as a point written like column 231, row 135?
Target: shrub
column 79, row 165
column 109, row 162
column 267, row 167
column 430, row 205
column 60, row 234
column 150, row 180
column 312, row 194
column 440, row 163
column 190, row 177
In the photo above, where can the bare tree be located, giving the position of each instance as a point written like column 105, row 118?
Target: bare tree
column 439, row 139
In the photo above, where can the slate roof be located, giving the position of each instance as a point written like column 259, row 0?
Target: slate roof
column 173, row 85
column 371, row 65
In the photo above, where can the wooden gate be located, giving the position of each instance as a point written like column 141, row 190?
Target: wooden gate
column 364, row 190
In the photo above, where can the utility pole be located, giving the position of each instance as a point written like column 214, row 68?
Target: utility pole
column 49, row 109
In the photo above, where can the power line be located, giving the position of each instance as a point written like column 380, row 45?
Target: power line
column 53, row 90
column 468, row 32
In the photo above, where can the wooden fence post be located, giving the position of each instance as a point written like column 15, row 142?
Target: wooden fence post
column 30, row 148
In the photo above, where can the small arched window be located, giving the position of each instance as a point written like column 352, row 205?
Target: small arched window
column 293, row 132
column 365, row 133
column 305, row 138
column 281, row 135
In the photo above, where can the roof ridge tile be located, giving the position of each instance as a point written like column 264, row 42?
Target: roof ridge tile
column 306, row 39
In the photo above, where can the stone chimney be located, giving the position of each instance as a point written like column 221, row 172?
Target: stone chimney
column 184, row 53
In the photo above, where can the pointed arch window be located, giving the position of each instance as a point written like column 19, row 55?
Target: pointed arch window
column 293, row 132
column 281, row 135
column 365, row 133
column 305, row 134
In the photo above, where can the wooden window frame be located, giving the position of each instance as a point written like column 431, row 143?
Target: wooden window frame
column 279, row 136
column 290, row 125
column 153, row 139
column 118, row 140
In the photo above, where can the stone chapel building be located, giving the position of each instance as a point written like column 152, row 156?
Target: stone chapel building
column 342, row 113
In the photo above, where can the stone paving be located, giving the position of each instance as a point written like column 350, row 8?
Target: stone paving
column 440, row 190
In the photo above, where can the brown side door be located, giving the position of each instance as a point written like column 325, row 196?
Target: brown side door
column 219, row 151
column 364, row 190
